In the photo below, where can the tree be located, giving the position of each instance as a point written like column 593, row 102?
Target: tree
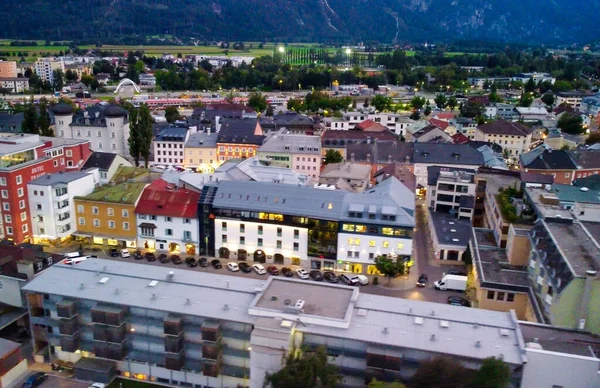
column 427, row 110
column 381, row 103
column 58, row 79
column 571, row 124
column 257, row 101
column 390, row 267
column 380, row 384
column 305, row 369
column 270, row 111
column 418, row 102
column 30, row 121
column 43, row 120
column 548, row 99
column 172, row 114
column 440, row 101
column 87, row 79
column 366, row 104
column 353, row 105
column 441, row 372
column 135, row 138
column 71, row 76
column 593, row 138
column 526, row 99
column 146, row 135
column 333, row 156
column 415, row 115
column 452, row 103
column 493, row 373
column 472, row 109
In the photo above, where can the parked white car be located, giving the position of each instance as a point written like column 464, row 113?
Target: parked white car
column 302, row 274
column 125, row 253
column 259, row 269
column 233, row 267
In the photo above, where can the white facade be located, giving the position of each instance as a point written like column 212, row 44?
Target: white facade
column 515, row 144
column 14, row 85
column 289, row 241
column 364, row 249
column 52, row 208
column 113, row 138
column 169, row 153
column 421, row 170
column 172, row 234
column 45, row 67
column 392, row 121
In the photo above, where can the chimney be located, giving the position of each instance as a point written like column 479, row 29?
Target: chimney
column 586, row 300
column 352, row 159
column 390, row 159
column 25, row 268
column 368, row 158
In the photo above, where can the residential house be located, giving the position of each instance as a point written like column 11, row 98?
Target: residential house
column 210, row 117
column 8, row 69
column 563, row 165
column 532, row 113
column 429, row 134
column 393, row 122
column 294, row 123
column 168, row 146
column 201, row 152
column 52, row 206
column 464, row 125
column 11, row 123
column 106, row 163
column 500, row 110
column 45, row 68
column 591, row 105
column 239, row 138
column 513, row 137
column 341, row 140
column 80, row 69
column 451, row 190
column 147, row 80
column 571, row 98
column 450, row 236
column 398, row 171
column 105, row 126
column 167, row 219
column 347, row 176
column 588, row 162
column 14, row 84
column 302, row 153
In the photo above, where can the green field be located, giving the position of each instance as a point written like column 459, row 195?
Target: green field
column 186, row 50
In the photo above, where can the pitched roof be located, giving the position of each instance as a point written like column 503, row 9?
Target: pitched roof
column 57, row 178
column 380, row 152
column 547, row 159
column 164, row 199
column 459, row 138
column 439, row 123
column 445, row 115
column 505, row 127
column 586, row 158
column 334, row 137
column 240, row 131
column 370, row 126
column 535, row 177
column 444, row 153
column 400, row 172
column 101, row 160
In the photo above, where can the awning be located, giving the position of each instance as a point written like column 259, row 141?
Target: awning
column 147, row 225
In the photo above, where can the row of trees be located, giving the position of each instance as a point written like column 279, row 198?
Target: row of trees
column 313, row 369
column 140, row 133
column 36, row 120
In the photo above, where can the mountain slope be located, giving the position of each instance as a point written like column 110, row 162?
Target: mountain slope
column 309, row 20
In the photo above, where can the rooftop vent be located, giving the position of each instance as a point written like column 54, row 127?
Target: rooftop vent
column 418, row 320
column 153, row 283
column 584, row 189
column 361, row 313
column 170, row 275
column 104, row 280
column 504, row 333
column 478, row 344
column 444, row 324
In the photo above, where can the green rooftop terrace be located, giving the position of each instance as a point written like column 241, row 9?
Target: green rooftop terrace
column 126, row 193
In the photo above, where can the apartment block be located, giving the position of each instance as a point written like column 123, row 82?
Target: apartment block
column 8, row 69
column 168, row 146
column 201, row 152
column 45, row 68
column 451, row 190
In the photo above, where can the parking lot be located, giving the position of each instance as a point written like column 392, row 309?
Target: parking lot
column 55, row 382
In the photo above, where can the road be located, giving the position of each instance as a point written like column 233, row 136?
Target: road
column 54, row 382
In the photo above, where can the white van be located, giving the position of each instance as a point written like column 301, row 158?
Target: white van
column 71, row 255
column 354, row 280
column 75, row 260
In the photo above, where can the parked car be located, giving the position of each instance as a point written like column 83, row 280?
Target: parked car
column 458, row 301
column 423, row 279
column 35, row 380
column 75, row 260
column 259, row 269
column 287, row 272
column 315, row 274
column 216, row 264
column 245, row 267
column 191, row 262
column 349, row 280
column 114, row 252
column 125, row 253
column 330, row 277
column 302, row 274
column 203, row 262
column 150, row 256
column 163, row 258
column 273, row 270
column 137, row 255
column 233, row 267
column 176, row 259
column 458, row 272
column 97, row 385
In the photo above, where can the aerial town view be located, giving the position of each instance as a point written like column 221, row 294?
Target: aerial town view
column 298, row 194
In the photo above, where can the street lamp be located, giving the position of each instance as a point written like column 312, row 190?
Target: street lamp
column 280, row 83
column 281, row 49
column 348, row 52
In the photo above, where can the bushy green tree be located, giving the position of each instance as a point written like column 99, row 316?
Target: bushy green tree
column 390, row 267
column 440, row 101
column 452, row 103
column 30, row 120
column 571, row 124
column 548, row 99
column 381, row 103
column 333, row 156
column 305, row 369
column 172, row 114
column 43, row 119
column 257, row 101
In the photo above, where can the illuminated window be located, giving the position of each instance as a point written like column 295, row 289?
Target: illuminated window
column 372, row 243
column 361, row 228
column 387, row 231
column 349, row 227
column 330, row 206
column 386, row 244
column 400, row 245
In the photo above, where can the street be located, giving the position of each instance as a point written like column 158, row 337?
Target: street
column 54, row 382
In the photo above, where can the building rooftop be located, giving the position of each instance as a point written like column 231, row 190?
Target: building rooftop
column 124, row 193
column 164, row 199
column 581, row 252
column 7, row 346
column 562, row 340
column 346, row 170
column 58, row 178
column 202, row 140
column 542, row 158
column 449, row 174
column 132, row 173
column 586, row 159
column 568, row 193
column 101, row 160
column 283, row 142
column 175, row 134
column 436, row 153
column 241, row 131
column 546, row 204
column 450, row 230
column 400, row 172
column 332, row 138
column 258, row 169
column 505, row 127
column 535, row 177
column 381, row 152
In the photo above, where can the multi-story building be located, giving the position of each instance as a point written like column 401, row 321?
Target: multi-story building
column 45, row 68
column 168, row 219
column 591, row 105
column 8, row 69
column 465, row 126
column 80, row 69
column 347, row 176
column 563, row 267
column 302, row 153
column 393, row 122
column 449, row 235
column 572, row 98
column 239, row 139
column 14, row 85
column 211, row 117
column 105, row 126
column 52, row 206
column 23, row 158
column 193, row 328
column 107, row 165
column 431, row 133
column 168, row 146
column 564, row 166
column 451, row 190
column 340, row 140
column 201, row 152
column 294, row 123
column 500, row 110
column 106, row 216
column 500, row 274
column 309, row 227
column 147, row 80
column 514, row 138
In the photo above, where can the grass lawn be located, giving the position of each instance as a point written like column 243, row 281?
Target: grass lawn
column 185, row 50
column 124, row 383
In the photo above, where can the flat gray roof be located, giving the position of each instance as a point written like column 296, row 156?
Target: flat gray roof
column 575, row 245
column 60, row 177
column 557, row 339
column 202, row 140
column 450, row 230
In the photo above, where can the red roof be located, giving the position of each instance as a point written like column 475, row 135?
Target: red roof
column 445, row 116
column 371, row 126
column 163, row 199
column 459, row 138
column 439, row 123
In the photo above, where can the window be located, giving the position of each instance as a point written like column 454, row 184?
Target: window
column 168, row 219
column 491, row 294
column 510, row 297
column 99, row 134
column 95, row 210
column 5, row 194
column 278, row 244
column 24, row 216
column 125, row 213
column 19, row 179
column 567, row 175
column 279, row 232
column 2, row 181
column 111, row 211
column 81, row 221
column 6, row 206
column 260, row 242
column 260, row 230
column 372, row 243
column 111, row 224
column 242, row 240
column 224, row 238
column 296, row 233
column 69, row 153
column 21, row 204
column 386, row 244
column 224, row 226
column 296, row 247
column 9, row 230
column 371, row 256
column 25, row 228
column 500, row 296
column 96, row 222
column 169, row 232
column 242, row 228
column 400, row 245
column 103, row 175
column 38, row 206
column 20, row 192
column 7, row 218
column 79, row 208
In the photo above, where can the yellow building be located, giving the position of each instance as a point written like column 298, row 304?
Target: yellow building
column 201, row 152
column 106, row 216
